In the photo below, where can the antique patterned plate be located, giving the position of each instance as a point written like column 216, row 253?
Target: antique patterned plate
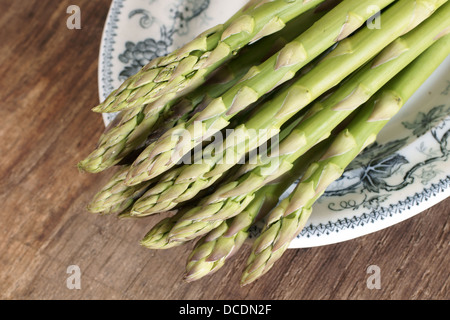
column 404, row 173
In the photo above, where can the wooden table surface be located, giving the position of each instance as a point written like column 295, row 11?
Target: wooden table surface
column 48, row 86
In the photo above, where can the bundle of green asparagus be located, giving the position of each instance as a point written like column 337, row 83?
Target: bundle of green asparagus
column 213, row 134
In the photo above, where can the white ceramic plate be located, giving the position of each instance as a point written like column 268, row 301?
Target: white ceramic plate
column 404, row 173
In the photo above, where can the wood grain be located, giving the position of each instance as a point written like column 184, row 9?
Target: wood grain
column 48, row 85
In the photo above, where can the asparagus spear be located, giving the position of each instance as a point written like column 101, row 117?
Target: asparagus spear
column 133, row 127
column 176, row 143
column 213, row 250
column 188, row 66
column 157, row 237
column 290, row 217
column 233, row 196
column 219, row 245
column 116, row 197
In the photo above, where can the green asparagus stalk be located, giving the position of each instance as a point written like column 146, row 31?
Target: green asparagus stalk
column 116, row 197
column 334, row 26
column 132, row 128
column 233, row 196
column 290, row 217
column 219, row 245
column 157, row 238
column 188, row 66
column 213, row 250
